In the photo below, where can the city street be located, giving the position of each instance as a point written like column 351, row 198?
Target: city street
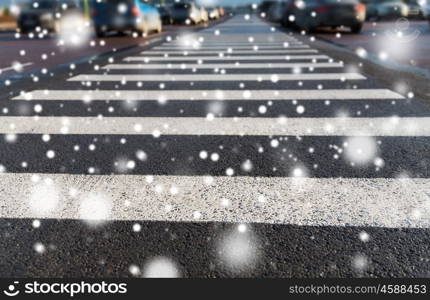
column 236, row 150
column 23, row 55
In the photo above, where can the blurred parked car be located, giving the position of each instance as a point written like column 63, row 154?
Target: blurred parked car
column 269, row 9
column 425, row 5
column 165, row 15
column 310, row 14
column 45, row 14
column 187, row 13
column 204, row 14
column 415, row 11
column 125, row 15
column 386, row 9
column 221, row 11
column 275, row 11
column 214, row 13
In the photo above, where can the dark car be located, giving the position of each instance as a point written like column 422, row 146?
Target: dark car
column 165, row 15
column 125, row 15
column 310, row 14
column 45, row 14
column 386, row 9
column 272, row 10
column 187, row 13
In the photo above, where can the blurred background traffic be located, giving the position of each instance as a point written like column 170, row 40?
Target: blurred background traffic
column 313, row 14
column 46, row 32
column 38, row 35
column 146, row 17
column 104, row 17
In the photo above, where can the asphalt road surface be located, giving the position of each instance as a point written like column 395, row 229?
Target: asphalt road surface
column 237, row 150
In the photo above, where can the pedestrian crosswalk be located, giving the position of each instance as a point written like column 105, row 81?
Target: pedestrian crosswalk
column 210, row 124
column 206, row 153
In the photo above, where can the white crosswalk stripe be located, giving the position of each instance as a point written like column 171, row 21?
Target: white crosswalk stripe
column 233, row 51
column 232, row 45
column 218, row 126
column 251, row 199
column 219, row 77
column 209, row 42
column 224, row 58
column 225, row 66
column 225, row 95
column 244, row 47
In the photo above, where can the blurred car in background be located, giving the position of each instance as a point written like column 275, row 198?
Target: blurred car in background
column 273, row 10
column 386, row 9
column 8, row 19
column 310, row 14
column 415, row 10
column 425, row 6
column 125, row 15
column 186, row 13
column 264, row 7
column 45, row 15
column 214, row 13
column 165, row 15
column 221, row 11
column 204, row 14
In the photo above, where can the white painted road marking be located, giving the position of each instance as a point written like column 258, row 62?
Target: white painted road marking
column 231, row 65
column 222, row 42
column 224, row 58
column 218, row 77
column 169, row 47
column 232, row 52
column 231, row 43
column 275, row 200
column 392, row 126
column 225, row 95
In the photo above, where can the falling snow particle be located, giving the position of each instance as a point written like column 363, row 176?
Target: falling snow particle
column 274, row 143
column 50, row 154
column 364, row 236
column 203, row 154
column 36, row 223
column 141, row 155
column 134, row 270
column 137, row 227
column 39, row 248
column 360, row 150
column 229, row 172
column 161, row 267
column 300, row 109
